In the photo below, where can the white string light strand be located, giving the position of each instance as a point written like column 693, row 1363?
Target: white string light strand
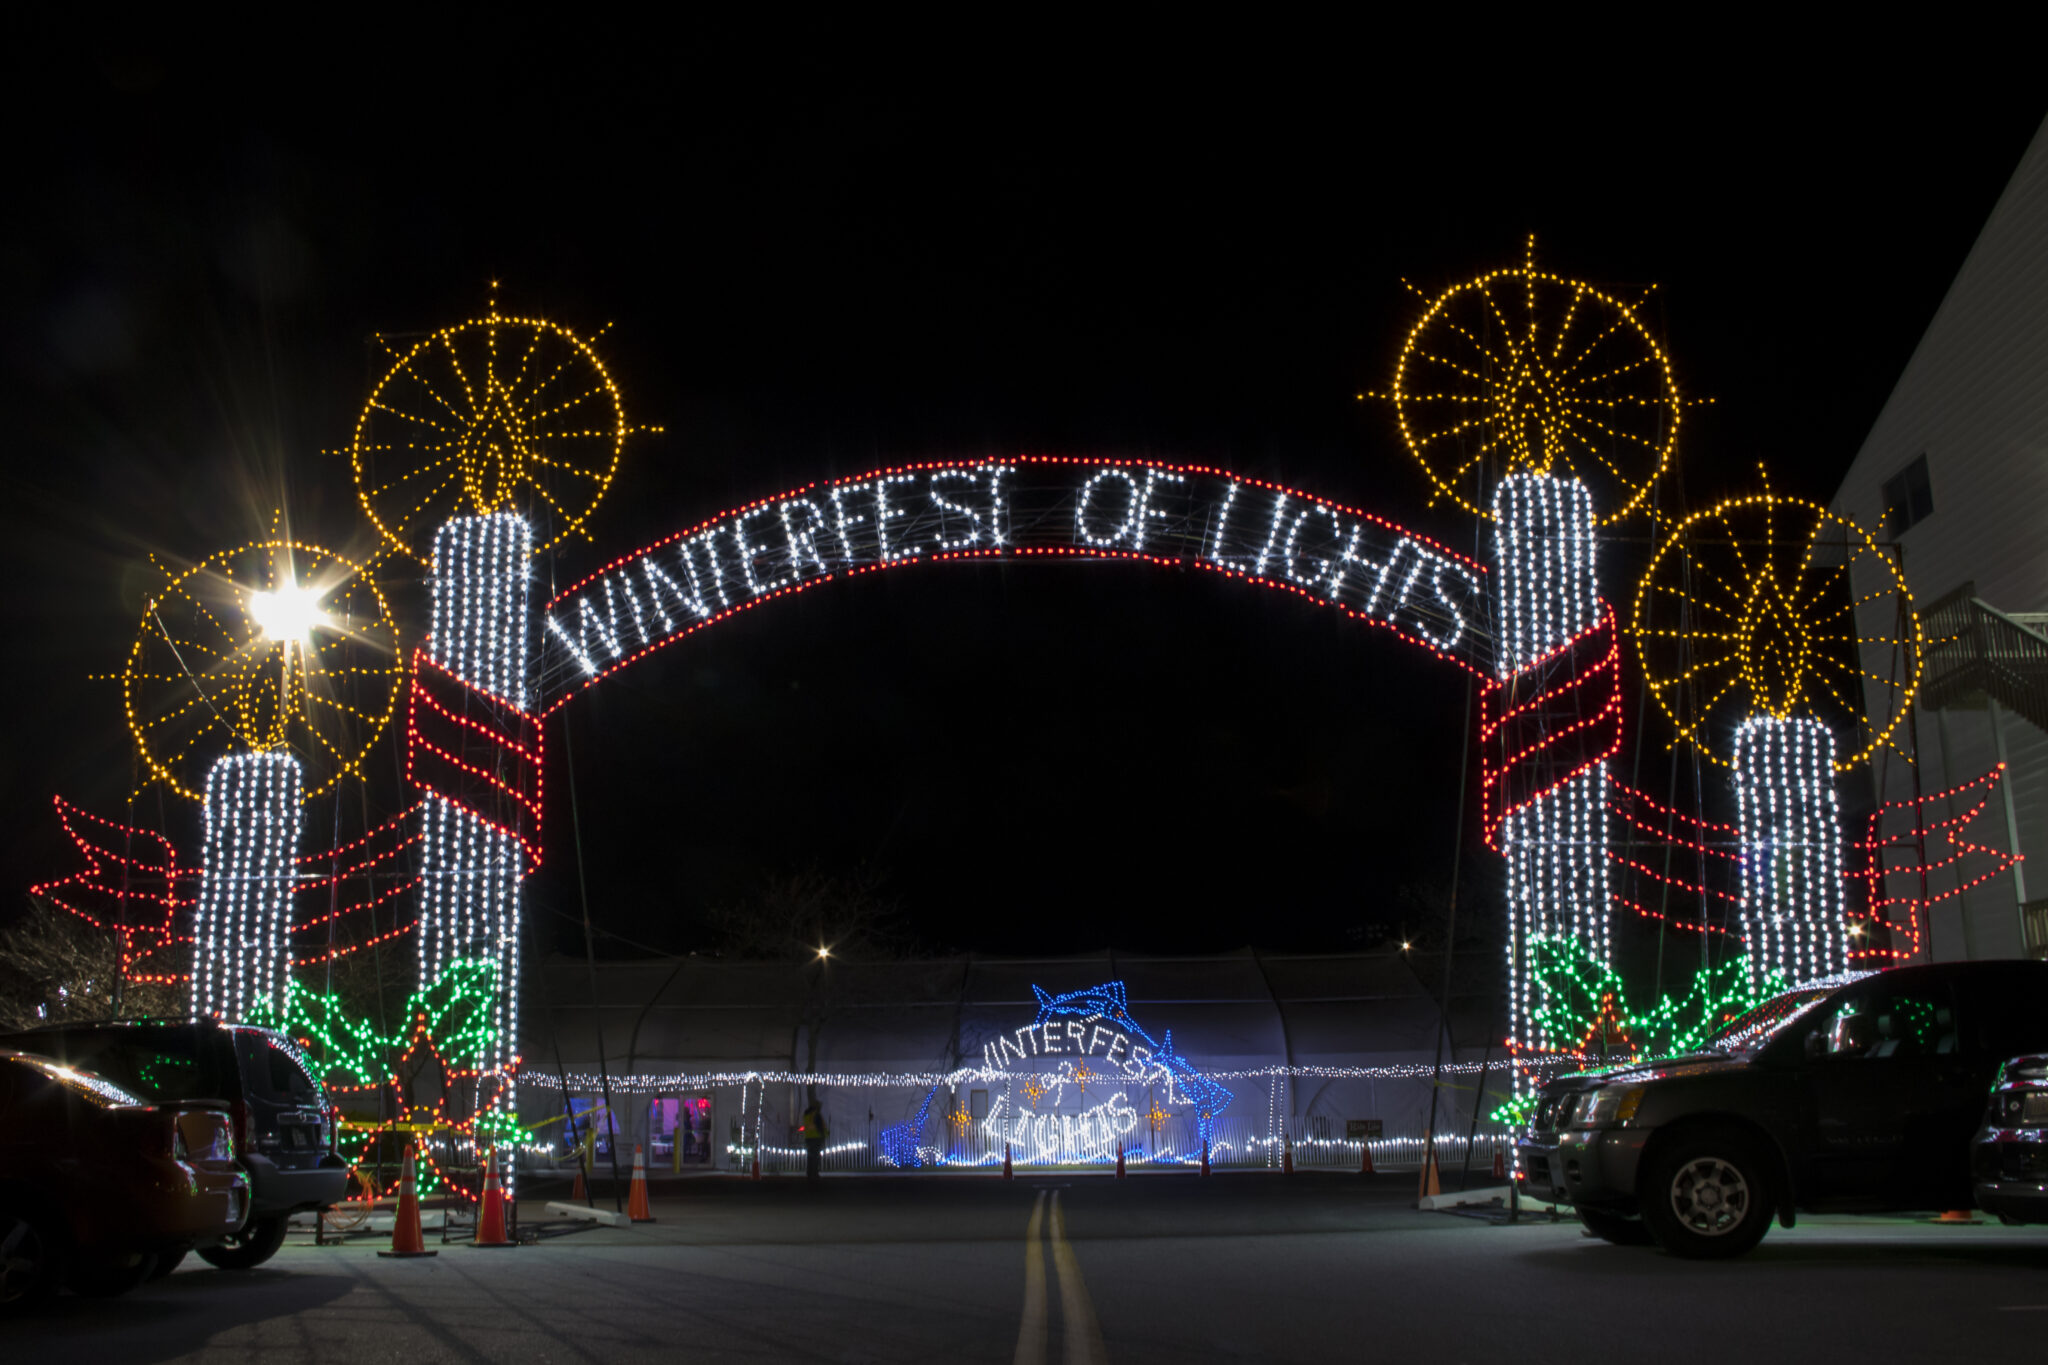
column 245, row 899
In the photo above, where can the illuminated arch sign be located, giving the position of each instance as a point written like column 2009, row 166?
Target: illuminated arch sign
column 1168, row 514
column 1079, row 1081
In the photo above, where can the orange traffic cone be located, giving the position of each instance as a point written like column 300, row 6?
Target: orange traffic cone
column 490, row 1214
column 1957, row 1216
column 757, row 1163
column 580, row 1193
column 1365, row 1157
column 405, row 1230
column 1429, row 1186
column 1008, row 1174
column 636, row 1198
column 1119, row 1161
column 1205, row 1156
column 1500, row 1163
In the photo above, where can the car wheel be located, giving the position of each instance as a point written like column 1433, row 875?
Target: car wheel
column 167, row 1261
column 1612, row 1227
column 1704, row 1196
column 106, row 1277
column 249, row 1248
column 29, row 1261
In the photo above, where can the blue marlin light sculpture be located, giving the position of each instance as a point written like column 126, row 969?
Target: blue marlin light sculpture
column 1109, row 1002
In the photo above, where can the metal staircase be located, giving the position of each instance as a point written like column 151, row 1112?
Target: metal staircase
column 1976, row 652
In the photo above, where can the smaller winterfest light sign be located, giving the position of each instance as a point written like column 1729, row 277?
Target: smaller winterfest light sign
column 1360, row 564
column 1100, row 1050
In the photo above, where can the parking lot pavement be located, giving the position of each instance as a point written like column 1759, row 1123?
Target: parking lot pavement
column 1162, row 1268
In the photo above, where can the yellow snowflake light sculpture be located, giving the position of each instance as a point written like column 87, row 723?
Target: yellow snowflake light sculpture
column 1524, row 371
column 275, row 644
column 494, row 414
column 1748, row 608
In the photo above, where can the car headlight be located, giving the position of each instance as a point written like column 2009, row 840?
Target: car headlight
column 1616, row 1104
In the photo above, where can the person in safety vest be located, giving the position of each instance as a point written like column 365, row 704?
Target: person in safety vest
column 814, row 1133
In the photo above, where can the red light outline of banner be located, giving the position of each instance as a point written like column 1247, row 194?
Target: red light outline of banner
column 526, row 745
column 90, row 878
column 162, row 880
column 1874, row 871
column 1494, row 776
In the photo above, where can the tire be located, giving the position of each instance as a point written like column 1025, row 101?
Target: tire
column 167, row 1261
column 1612, row 1227
column 31, row 1261
column 108, row 1277
column 256, row 1243
column 1705, row 1197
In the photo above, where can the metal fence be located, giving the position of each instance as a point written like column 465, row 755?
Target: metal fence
column 1235, row 1144
column 1156, row 1141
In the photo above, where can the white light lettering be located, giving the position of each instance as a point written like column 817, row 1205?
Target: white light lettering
column 803, row 543
column 884, row 515
column 1133, row 513
column 842, row 522
column 748, row 553
column 1272, row 533
column 973, row 536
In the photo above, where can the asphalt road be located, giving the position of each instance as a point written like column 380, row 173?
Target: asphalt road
column 1161, row 1268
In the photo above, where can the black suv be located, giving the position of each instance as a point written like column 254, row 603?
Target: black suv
column 1862, row 1096
column 284, row 1128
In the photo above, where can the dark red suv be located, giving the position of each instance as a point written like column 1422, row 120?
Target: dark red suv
column 284, row 1126
column 99, row 1188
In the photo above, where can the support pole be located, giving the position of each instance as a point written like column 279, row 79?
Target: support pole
column 604, row 1071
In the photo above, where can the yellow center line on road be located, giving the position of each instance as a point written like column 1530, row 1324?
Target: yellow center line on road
column 1031, row 1332
column 1084, row 1334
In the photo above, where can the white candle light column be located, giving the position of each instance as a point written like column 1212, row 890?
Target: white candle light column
column 245, row 896
column 1555, row 843
column 1793, row 910
column 469, row 882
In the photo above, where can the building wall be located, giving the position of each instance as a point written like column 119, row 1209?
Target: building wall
column 1974, row 400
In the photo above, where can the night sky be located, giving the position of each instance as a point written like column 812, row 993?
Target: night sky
column 828, row 249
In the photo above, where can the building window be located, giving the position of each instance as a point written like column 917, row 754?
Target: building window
column 582, row 1118
column 679, row 1130
column 1908, row 498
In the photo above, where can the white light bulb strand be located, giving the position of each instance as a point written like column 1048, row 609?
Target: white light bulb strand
column 242, row 929
column 471, row 868
column 1547, row 596
column 1793, row 906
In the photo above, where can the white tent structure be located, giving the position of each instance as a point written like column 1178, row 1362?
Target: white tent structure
column 937, row 1062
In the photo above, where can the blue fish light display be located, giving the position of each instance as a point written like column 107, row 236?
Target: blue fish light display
column 1088, row 1040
